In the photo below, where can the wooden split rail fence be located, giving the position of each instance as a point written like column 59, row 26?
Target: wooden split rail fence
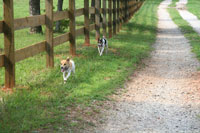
column 118, row 12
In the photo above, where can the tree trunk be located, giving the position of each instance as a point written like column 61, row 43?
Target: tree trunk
column 34, row 9
column 59, row 8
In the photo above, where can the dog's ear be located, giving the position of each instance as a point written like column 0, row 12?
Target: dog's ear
column 68, row 59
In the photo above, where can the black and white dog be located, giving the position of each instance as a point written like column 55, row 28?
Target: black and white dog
column 102, row 43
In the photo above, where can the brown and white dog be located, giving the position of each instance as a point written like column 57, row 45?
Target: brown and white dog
column 67, row 66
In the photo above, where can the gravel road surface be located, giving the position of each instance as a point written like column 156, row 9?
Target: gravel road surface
column 163, row 97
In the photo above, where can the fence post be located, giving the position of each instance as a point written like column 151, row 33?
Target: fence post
column 8, row 29
column 129, row 10
column 110, row 17
column 118, row 19
column 131, row 7
column 138, row 4
column 114, row 17
column 97, row 18
column 72, row 25
column 126, row 10
column 104, row 18
column 121, row 14
column 49, row 33
column 86, row 23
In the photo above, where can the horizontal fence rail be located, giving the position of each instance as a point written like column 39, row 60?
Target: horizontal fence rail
column 37, row 20
column 117, row 12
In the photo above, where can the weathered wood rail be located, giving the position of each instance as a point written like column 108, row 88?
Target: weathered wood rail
column 118, row 12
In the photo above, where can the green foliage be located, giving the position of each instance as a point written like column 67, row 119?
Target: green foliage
column 42, row 102
column 64, row 25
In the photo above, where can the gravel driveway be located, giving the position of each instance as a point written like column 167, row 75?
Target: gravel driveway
column 163, row 97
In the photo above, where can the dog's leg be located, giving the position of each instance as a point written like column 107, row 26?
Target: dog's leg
column 102, row 50
column 64, row 77
column 99, row 50
column 69, row 73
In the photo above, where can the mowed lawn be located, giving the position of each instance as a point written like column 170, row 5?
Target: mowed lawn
column 41, row 102
column 194, row 7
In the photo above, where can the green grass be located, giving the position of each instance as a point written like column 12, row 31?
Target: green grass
column 21, row 7
column 187, row 30
column 194, row 7
column 42, row 102
column 173, row 4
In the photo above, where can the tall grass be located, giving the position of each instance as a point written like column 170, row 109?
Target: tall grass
column 42, row 102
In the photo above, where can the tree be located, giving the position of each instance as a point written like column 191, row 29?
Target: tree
column 34, row 9
column 59, row 8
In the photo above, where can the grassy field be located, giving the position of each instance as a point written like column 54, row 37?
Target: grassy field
column 42, row 102
column 187, row 30
column 194, row 7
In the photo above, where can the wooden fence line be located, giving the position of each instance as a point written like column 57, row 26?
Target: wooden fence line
column 9, row 48
column 117, row 16
column 97, row 18
column 72, row 27
column 49, row 33
column 86, row 23
column 104, row 18
column 114, row 17
column 118, row 12
column 110, row 18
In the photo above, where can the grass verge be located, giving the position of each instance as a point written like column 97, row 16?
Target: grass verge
column 173, row 4
column 194, row 7
column 41, row 102
column 187, row 30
